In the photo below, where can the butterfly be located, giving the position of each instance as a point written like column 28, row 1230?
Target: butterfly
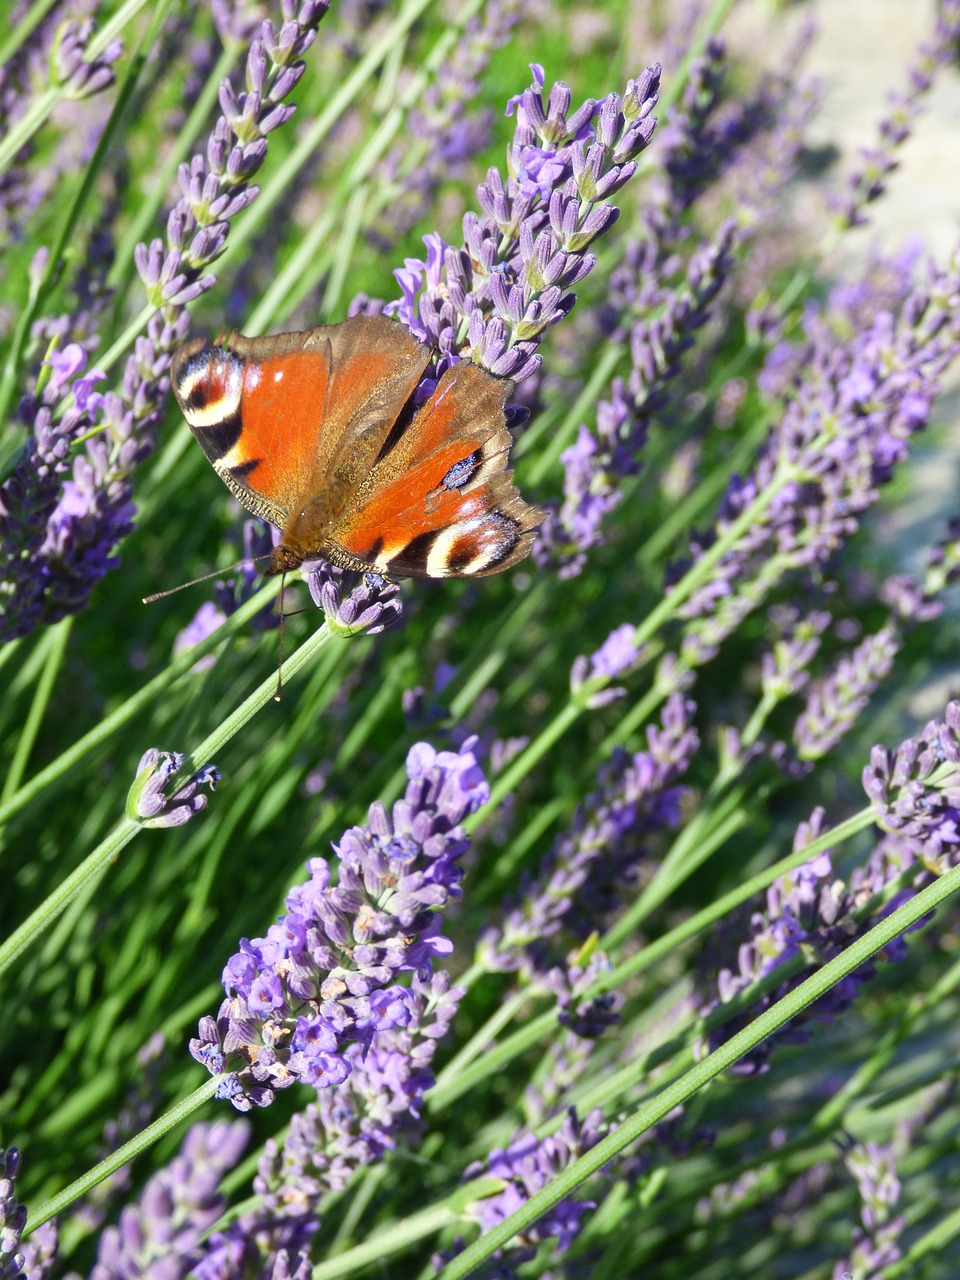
column 318, row 433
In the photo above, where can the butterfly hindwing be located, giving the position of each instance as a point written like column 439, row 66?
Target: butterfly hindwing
column 439, row 502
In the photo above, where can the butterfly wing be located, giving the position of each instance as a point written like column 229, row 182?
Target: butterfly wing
column 286, row 418
column 439, row 501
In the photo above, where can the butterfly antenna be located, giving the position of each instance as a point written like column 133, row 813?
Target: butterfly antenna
column 217, row 573
column 283, row 582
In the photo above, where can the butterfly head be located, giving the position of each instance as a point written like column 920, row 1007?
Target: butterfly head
column 284, row 560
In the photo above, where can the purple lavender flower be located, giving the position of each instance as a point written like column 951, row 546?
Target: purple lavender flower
column 324, row 976
column 836, row 700
column 511, row 280
column 237, row 23
column 78, row 75
column 588, row 1018
column 805, row 913
column 447, row 126
column 33, row 495
column 596, row 464
column 662, row 294
column 13, row 1215
column 868, row 182
column 785, row 669
column 875, row 1243
column 915, row 792
column 617, row 654
column 694, row 148
column 41, row 1253
column 376, row 1108
column 147, row 802
column 842, row 434
column 203, row 624
column 527, row 1166
column 163, row 1233
column 84, row 518
column 217, row 186
column 579, row 886
column 352, row 605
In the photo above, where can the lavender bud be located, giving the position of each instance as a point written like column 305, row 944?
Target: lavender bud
column 146, row 801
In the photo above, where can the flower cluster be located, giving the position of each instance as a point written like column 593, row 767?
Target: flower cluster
column 379, row 1102
column 325, row 975
column 13, row 1215
column 835, row 700
column 915, row 790
column 807, row 913
column 578, row 887
column 876, row 1241
column 915, row 793
column 78, row 74
column 177, row 1208
column 598, row 462
column 848, row 424
column 526, row 1166
column 217, row 186
column 617, row 655
column 785, row 669
column 352, row 602
column 56, row 55
column 494, row 298
column 663, row 294
column 375, row 1108
column 35, row 497
column 95, row 508
column 147, row 801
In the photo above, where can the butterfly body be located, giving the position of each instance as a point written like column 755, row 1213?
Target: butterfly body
column 318, row 433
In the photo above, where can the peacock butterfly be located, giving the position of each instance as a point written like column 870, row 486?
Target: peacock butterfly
column 318, row 433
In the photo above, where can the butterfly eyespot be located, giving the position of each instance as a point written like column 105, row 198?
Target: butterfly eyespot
column 208, row 386
column 463, row 471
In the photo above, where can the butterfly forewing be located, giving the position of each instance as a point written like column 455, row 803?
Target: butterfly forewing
column 287, row 418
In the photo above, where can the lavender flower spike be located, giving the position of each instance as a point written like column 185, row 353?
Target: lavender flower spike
column 579, row 885
column 526, row 1166
column 494, row 298
column 350, row 605
column 905, row 802
column 377, row 1108
column 324, row 977
column 78, row 77
column 875, row 1244
column 60, row 535
column 216, row 186
column 161, row 1235
column 147, row 802
column 868, row 182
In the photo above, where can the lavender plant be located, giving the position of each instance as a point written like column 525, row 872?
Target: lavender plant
column 591, row 845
